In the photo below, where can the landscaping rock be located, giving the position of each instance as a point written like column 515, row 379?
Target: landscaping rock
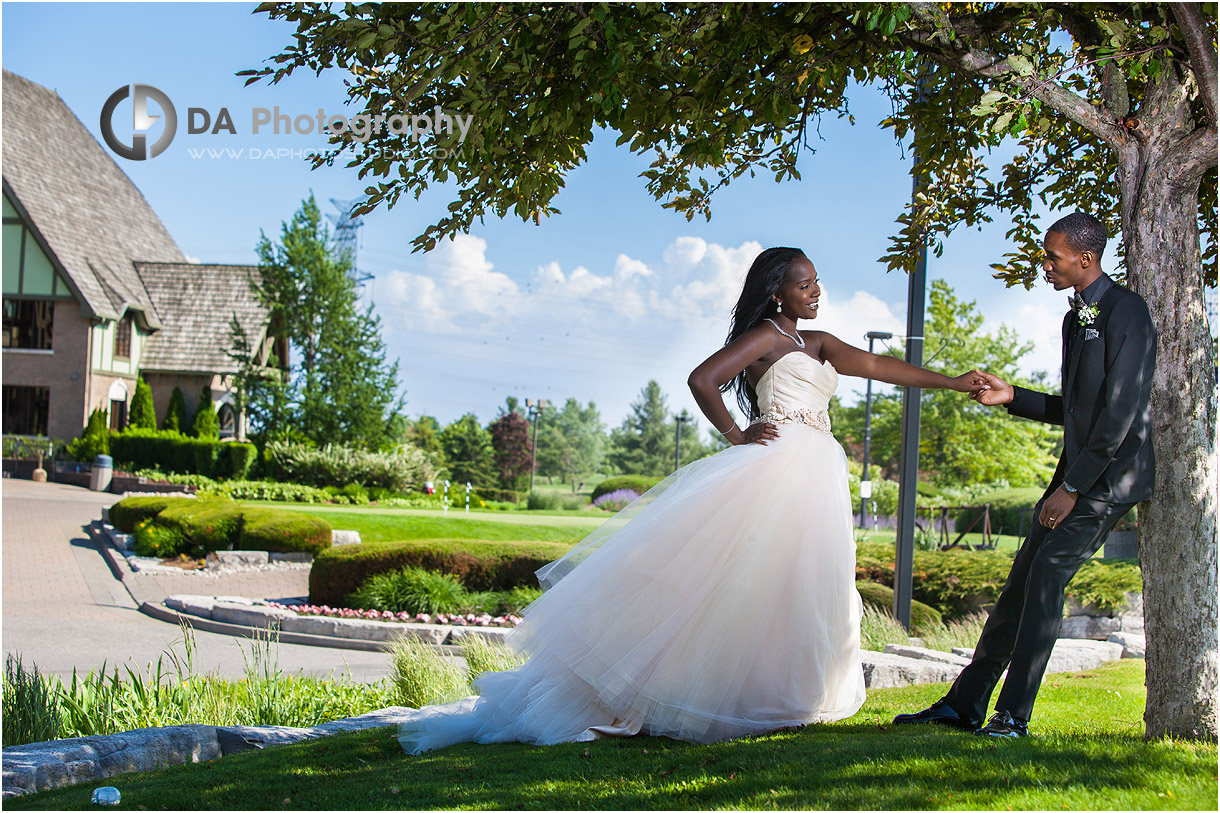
column 292, row 557
column 200, row 606
column 1133, row 644
column 1131, row 623
column 457, row 635
column 1095, row 627
column 344, row 538
column 238, row 557
column 54, row 764
column 924, row 654
column 884, row 671
column 964, row 652
column 1078, row 655
column 260, row 617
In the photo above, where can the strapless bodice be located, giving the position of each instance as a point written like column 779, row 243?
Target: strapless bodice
column 797, row 388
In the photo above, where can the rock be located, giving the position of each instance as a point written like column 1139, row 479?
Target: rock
column 45, row 765
column 238, row 557
column 389, row 716
column 260, row 617
column 1078, row 655
column 1097, row 628
column 1131, row 623
column 965, row 652
column 292, row 557
column 495, row 634
column 1133, row 644
column 344, row 538
column 312, row 625
column 924, row 654
column 883, row 670
column 200, row 606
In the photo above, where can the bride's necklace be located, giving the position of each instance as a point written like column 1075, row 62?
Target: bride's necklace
column 797, row 338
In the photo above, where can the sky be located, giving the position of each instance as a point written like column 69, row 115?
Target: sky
column 591, row 304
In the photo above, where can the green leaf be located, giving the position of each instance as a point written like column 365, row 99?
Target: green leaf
column 1021, row 64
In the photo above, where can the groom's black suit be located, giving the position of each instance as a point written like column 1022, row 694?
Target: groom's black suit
column 1106, row 414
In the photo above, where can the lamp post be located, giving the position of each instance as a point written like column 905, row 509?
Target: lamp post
column 534, row 409
column 866, row 486
column 678, row 421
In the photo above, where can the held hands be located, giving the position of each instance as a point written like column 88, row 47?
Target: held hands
column 987, row 389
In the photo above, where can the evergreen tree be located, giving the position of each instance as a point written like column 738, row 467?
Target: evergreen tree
column 143, row 415
column 94, row 440
column 571, row 441
column 205, row 426
column 343, row 389
column 469, row 453
column 175, row 414
column 644, row 442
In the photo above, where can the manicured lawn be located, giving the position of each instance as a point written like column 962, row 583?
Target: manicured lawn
column 1088, row 753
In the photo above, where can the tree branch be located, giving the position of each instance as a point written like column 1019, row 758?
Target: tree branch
column 1202, row 53
column 953, row 51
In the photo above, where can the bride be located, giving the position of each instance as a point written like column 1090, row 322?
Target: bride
column 722, row 602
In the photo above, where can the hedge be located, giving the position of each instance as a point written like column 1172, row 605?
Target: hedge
column 166, row 526
column 924, row 619
column 959, row 582
column 174, row 452
column 481, row 565
column 638, row 483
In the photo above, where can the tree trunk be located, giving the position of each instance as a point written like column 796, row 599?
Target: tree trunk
column 1177, row 535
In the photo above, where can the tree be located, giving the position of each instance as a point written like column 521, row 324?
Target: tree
column 644, row 443
column 1112, row 107
column 510, row 440
column 571, row 441
column 94, row 440
column 175, row 413
column 343, row 388
column 960, row 442
column 205, row 425
column 469, row 453
column 143, row 415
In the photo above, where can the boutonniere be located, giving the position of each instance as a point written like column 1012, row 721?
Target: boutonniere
column 1087, row 314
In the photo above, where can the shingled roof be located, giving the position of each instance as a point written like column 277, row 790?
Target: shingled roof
column 93, row 218
column 197, row 302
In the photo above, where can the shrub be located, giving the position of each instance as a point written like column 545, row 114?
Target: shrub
column 638, row 483
column 421, row 675
column 206, row 524
column 402, row 470
column 480, row 565
column 543, row 501
column 884, row 501
column 616, row 500
column 241, row 457
column 924, row 619
column 142, row 414
column 207, row 457
column 95, row 440
column 573, row 502
column 502, row 495
column 126, row 514
column 1010, row 510
column 282, row 531
column 176, row 453
column 153, row 539
column 1106, row 583
column 264, row 490
column 411, row 590
column 31, row 713
column 513, row 601
column 175, row 413
column 205, row 425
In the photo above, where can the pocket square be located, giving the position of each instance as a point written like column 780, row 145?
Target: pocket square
column 1090, row 333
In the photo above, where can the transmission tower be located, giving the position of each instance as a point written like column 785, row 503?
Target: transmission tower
column 347, row 230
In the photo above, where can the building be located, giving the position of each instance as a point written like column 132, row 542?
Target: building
column 96, row 292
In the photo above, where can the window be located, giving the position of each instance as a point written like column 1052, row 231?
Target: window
column 122, row 339
column 25, row 410
column 227, row 418
column 27, row 323
column 118, row 414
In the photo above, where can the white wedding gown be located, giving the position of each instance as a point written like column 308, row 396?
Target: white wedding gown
column 719, row 604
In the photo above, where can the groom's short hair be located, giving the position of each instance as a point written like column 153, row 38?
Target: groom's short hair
column 1083, row 232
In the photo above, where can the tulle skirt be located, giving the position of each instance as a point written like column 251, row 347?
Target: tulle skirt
column 722, row 603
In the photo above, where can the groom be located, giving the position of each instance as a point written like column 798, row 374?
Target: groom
column 1109, row 352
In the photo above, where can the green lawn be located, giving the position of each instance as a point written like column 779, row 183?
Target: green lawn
column 1088, row 753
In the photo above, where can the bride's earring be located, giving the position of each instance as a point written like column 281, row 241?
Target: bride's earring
column 779, row 307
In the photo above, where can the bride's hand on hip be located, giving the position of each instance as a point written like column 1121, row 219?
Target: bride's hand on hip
column 760, row 433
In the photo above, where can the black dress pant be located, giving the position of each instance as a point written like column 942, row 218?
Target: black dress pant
column 1023, row 627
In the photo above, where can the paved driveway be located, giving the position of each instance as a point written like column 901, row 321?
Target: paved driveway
column 63, row 609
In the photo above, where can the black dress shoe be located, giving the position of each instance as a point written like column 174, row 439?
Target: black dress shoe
column 1003, row 724
column 941, row 713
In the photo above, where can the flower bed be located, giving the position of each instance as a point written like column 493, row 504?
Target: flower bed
column 467, row 620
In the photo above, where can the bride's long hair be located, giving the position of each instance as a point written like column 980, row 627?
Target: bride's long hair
column 764, row 278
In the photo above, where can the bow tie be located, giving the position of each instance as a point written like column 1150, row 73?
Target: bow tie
column 1076, row 302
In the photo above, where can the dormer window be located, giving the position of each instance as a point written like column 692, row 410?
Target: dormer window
column 122, row 338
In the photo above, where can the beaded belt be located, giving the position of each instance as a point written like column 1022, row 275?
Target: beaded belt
column 819, row 419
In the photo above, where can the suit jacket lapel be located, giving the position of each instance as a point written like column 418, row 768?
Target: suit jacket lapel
column 1072, row 327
